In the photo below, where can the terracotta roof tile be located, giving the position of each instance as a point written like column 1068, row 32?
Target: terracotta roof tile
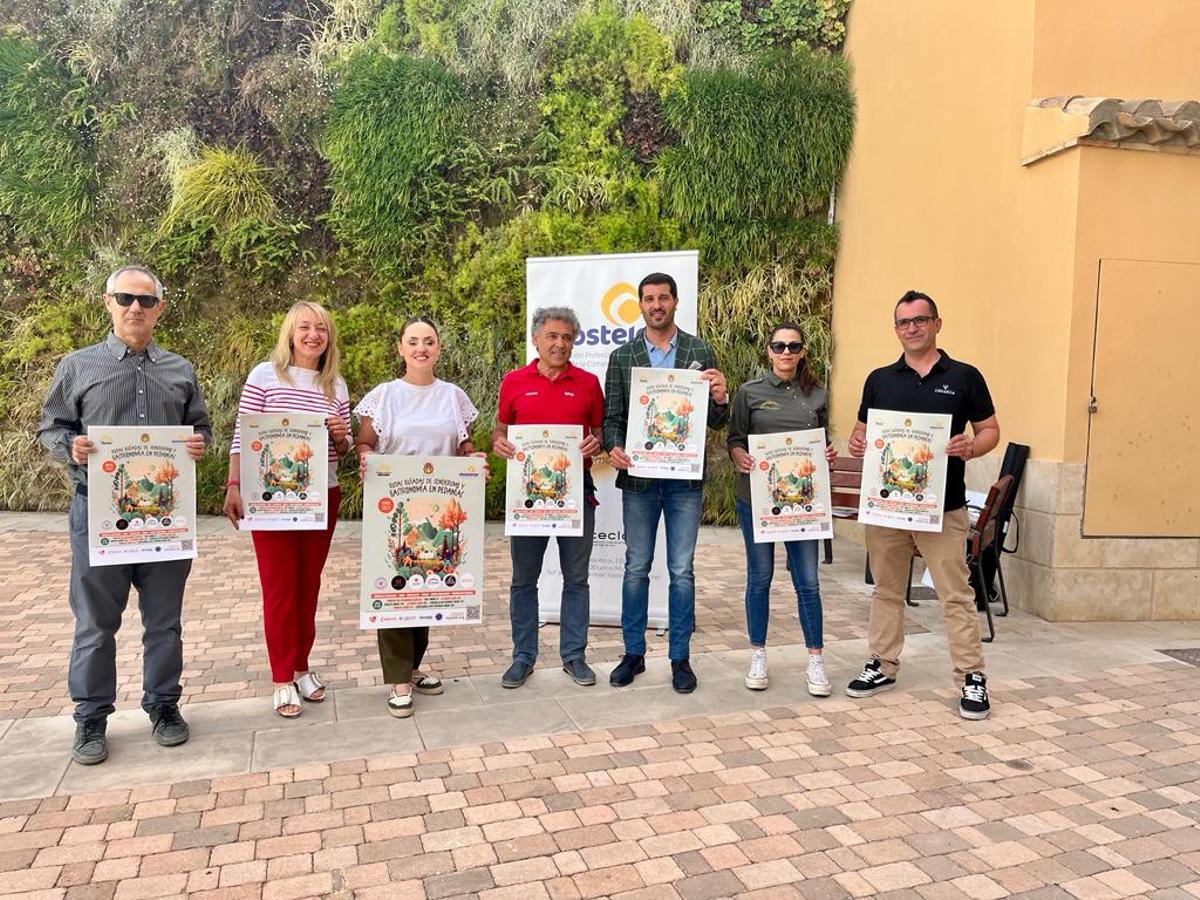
column 1055, row 124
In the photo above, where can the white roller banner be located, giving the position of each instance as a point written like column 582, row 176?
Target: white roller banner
column 602, row 290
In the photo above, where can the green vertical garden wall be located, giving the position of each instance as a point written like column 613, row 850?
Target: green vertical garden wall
column 392, row 158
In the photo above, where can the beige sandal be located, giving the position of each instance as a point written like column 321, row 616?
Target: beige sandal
column 287, row 696
column 309, row 684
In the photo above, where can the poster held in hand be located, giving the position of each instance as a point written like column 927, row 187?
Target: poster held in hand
column 789, row 487
column 422, row 543
column 544, row 481
column 284, row 472
column 904, row 470
column 141, row 495
column 668, row 415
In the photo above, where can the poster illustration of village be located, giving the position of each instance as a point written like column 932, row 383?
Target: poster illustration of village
column 422, row 543
column 904, row 470
column 141, row 495
column 668, row 415
column 285, row 472
column 789, row 487
column 544, row 483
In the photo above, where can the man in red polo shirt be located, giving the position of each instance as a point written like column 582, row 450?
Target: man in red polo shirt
column 551, row 391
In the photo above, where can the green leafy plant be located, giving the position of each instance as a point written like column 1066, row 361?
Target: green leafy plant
column 394, row 126
column 768, row 144
column 389, row 157
column 47, row 181
column 768, row 24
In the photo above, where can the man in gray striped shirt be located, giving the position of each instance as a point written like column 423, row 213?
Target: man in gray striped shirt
column 126, row 379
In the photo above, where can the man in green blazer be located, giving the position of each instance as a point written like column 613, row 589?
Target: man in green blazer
column 661, row 344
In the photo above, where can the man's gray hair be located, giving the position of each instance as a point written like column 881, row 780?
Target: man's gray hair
column 545, row 314
column 112, row 279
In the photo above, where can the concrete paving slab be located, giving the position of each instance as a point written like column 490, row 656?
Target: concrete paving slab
column 495, row 722
column 137, row 760
column 250, row 714
column 651, row 702
column 28, row 775
column 371, row 702
column 332, row 741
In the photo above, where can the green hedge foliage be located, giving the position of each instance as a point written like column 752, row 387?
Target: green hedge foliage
column 390, row 157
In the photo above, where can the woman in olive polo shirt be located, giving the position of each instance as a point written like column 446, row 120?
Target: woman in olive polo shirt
column 786, row 399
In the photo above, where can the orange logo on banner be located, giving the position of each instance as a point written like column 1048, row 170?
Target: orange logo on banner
column 256, row 446
column 643, row 399
column 878, row 443
column 386, row 505
column 109, row 466
column 620, row 304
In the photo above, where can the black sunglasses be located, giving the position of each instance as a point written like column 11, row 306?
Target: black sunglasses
column 780, row 346
column 145, row 301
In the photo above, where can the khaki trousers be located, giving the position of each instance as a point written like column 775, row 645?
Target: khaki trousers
column 890, row 550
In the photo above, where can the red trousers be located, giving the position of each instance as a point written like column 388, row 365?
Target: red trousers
column 289, row 568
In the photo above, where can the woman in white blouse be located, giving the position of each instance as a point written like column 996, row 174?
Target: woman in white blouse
column 416, row 414
column 301, row 376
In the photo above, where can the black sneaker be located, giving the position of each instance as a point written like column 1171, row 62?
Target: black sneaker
column 91, row 742
column 580, row 672
column 518, row 673
column 871, row 681
column 629, row 666
column 974, row 703
column 169, row 728
column 683, row 679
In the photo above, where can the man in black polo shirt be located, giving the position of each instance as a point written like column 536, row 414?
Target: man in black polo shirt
column 926, row 380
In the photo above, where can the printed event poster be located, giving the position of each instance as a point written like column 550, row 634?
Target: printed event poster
column 422, row 543
column 668, row 414
column 904, row 470
column 285, row 472
column 141, row 495
column 544, row 487
column 789, row 487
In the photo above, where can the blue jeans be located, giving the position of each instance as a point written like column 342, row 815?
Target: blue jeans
column 760, row 569
column 574, row 554
column 679, row 504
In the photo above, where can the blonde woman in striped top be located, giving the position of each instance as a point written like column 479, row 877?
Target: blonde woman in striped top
column 301, row 376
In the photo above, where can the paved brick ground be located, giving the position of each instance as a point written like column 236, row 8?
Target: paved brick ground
column 1077, row 787
column 224, row 653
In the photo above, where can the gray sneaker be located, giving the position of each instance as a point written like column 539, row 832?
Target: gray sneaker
column 91, row 742
column 169, row 728
column 580, row 672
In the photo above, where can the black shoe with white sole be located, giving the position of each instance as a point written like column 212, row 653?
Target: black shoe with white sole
column 974, row 703
column 872, row 681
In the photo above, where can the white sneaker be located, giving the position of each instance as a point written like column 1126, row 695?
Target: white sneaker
column 756, row 678
column 818, row 681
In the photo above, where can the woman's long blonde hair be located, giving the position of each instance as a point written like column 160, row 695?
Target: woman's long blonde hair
column 327, row 366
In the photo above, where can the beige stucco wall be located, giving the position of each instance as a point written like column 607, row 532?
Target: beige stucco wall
column 936, row 198
column 1132, row 205
column 1112, row 48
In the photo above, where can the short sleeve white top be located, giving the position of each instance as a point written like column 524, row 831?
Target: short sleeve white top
column 418, row 419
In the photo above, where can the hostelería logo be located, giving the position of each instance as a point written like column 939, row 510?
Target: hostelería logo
column 619, row 305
